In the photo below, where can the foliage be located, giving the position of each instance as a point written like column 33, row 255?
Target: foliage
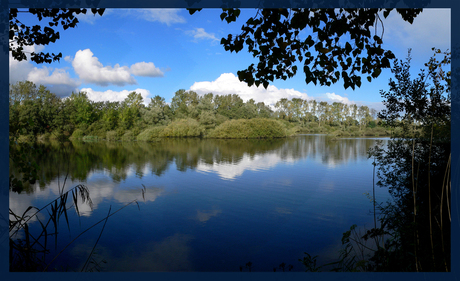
column 21, row 35
column 35, row 111
column 183, row 128
column 151, row 133
column 128, row 136
column 252, row 128
column 111, row 136
column 77, row 134
column 272, row 36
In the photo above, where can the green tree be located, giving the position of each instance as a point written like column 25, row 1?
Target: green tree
column 110, row 115
column 82, row 109
column 264, row 111
column 130, row 110
column 184, row 104
column 272, row 36
column 416, row 168
column 228, row 105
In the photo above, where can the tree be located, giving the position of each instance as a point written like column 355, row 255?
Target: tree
column 272, row 36
column 83, row 113
column 21, row 35
column 416, row 100
column 416, row 167
column 130, row 110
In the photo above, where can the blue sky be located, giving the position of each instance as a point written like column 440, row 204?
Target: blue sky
column 159, row 51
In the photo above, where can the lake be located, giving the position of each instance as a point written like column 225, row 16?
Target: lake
column 209, row 205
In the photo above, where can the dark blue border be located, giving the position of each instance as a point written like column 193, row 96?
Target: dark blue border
column 455, row 9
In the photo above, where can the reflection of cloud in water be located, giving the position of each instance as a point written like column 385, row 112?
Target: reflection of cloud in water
column 230, row 171
column 126, row 196
column 283, row 211
column 100, row 188
column 204, row 216
column 171, row 254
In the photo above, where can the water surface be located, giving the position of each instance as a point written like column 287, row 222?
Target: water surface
column 210, row 205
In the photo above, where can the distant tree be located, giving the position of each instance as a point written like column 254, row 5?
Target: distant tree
column 264, row 111
column 184, row 104
column 82, row 109
column 130, row 109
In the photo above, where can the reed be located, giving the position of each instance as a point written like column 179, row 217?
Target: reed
column 30, row 253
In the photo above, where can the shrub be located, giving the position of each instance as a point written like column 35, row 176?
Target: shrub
column 128, row 136
column 57, row 135
column 77, row 134
column 44, row 137
column 353, row 129
column 90, row 138
column 184, row 128
column 96, row 129
column 111, row 136
column 25, row 138
column 151, row 134
column 252, row 128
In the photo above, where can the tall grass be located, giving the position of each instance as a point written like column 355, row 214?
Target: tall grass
column 30, row 253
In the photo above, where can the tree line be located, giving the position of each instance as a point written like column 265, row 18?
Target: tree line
column 36, row 112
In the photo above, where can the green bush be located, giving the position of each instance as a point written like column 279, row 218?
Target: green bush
column 252, row 128
column 25, row 138
column 111, row 136
column 184, row 128
column 128, row 136
column 57, row 135
column 90, row 138
column 353, row 129
column 151, row 134
column 44, row 137
column 77, row 134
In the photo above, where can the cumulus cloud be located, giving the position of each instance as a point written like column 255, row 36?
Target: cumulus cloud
column 228, row 83
column 146, row 69
column 166, row 16
column 57, row 77
column 19, row 70
column 91, row 70
column 200, row 34
column 57, row 80
column 110, row 95
column 332, row 97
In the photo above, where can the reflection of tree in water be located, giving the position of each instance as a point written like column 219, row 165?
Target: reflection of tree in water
column 117, row 158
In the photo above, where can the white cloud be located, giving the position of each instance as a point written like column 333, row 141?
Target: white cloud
column 166, row 16
column 228, row 84
column 19, row 70
column 58, row 82
column 200, row 34
column 57, row 77
column 91, row 70
column 332, row 97
column 110, row 95
column 146, row 69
